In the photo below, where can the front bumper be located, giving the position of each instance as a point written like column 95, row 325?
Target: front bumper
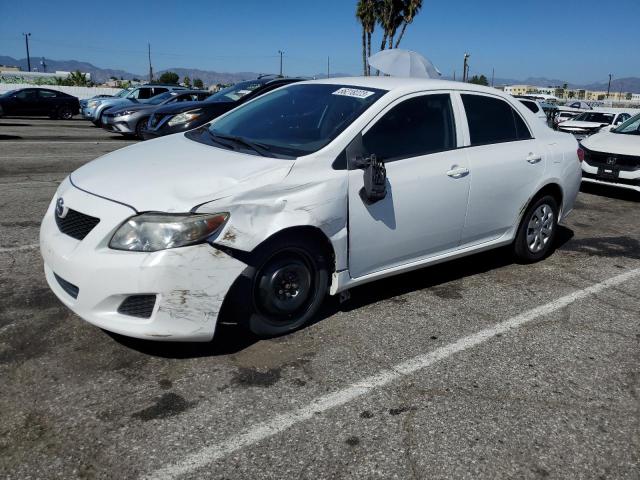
column 88, row 113
column 189, row 283
column 122, row 124
column 611, row 176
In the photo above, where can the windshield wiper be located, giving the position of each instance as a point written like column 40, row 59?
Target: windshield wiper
column 257, row 147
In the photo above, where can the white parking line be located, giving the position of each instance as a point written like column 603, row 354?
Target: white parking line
column 56, row 142
column 19, row 249
column 261, row 431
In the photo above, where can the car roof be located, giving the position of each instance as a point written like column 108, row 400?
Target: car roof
column 403, row 84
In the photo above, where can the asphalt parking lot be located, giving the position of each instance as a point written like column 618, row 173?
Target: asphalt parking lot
column 480, row 368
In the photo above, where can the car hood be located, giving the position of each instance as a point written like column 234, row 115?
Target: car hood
column 618, row 143
column 175, row 174
column 180, row 107
column 133, row 107
column 580, row 124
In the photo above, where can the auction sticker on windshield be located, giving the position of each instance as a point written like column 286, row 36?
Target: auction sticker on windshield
column 353, row 92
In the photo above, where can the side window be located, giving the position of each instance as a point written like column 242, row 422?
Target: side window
column 533, row 106
column 158, row 91
column 135, row 94
column 46, row 94
column 415, row 127
column 28, row 94
column 492, row 120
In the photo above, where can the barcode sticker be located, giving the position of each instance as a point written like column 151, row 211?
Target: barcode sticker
column 353, row 92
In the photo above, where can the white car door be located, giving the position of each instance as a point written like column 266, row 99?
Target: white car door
column 506, row 164
column 427, row 186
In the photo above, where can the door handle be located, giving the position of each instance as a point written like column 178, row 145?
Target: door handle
column 458, row 172
column 532, row 158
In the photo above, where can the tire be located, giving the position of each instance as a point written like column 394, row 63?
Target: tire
column 285, row 288
column 64, row 113
column 140, row 126
column 98, row 121
column 537, row 231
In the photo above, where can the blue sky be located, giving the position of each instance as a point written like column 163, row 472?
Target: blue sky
column 571, row 41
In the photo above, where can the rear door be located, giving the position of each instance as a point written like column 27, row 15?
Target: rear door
column 48, row 101
column 423, row 211
column 506, row 163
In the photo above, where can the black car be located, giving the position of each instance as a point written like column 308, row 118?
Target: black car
column 38, row 102
column 185, row 116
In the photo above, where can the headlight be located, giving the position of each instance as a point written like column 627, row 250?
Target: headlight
column 151, row 232
column 185, row 117
column 122, row 114
column 93, row 103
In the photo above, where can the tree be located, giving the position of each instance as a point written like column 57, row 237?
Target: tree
column 197, row 83
column 479, row 80
column 187, row 81
column 389, row 15
column 366, row 12
column 170, row 78
column 410, row 9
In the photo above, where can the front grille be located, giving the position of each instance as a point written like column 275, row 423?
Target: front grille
column 76, row 224
column 68, row 287
column 627, row 163
column 140, row 306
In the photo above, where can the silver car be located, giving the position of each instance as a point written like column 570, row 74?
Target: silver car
column 130, row 119
column 96, row 107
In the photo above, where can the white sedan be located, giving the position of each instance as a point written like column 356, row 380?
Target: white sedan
column 311, row 189
column 613, row 157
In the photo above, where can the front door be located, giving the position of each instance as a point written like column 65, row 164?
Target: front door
column 427, row 186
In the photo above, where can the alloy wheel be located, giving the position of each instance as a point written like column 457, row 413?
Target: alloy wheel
column 540, row 228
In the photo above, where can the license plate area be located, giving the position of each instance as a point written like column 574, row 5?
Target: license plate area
column 608, row 173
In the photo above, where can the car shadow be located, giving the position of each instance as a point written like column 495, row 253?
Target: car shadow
column 611, row 192
column 230, row 339
column 10, row 137
column 7, row 124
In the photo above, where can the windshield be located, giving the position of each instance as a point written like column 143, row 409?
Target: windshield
column 297, row 120
column 595, row 117
column 123, row 92
column 235, row 92
column 158, row 99
column 630, row 127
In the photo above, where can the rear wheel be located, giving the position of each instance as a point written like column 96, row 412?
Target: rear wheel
column 537, row 232
column 286, row 289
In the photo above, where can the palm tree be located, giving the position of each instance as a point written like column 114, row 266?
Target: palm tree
column 410, row 9
column 366, row 13
column 389, row 13
column 78, row 78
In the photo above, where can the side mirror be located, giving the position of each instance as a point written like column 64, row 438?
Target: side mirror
column 375, row 173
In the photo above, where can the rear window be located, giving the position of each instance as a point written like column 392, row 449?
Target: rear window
column 533, row 106
column 492, row 120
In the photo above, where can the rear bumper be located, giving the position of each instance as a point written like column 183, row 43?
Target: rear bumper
column 189, row 283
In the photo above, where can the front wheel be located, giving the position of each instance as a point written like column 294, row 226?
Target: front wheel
column 286, row 288
column 140, row 126
column 537, row 232
column 65, row 113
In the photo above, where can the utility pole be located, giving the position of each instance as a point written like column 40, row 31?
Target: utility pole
column 26, row 41
column 44, row 64
column 150, row 67
column 328, row 67
column 454, row 75
column 465, row 67
column 281, row 54
column 493, row 75
column 609, row 87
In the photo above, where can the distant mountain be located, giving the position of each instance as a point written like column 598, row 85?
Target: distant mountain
column 631, row 84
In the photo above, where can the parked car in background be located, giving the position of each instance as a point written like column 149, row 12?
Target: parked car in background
column 563, row 116
column 535, row 107
column 310, row 189
column 96, row 107
column 186, row 116
column 39, row 102
column 132, row 118
column 588, row 123
column 613, row 157
column 120, row 94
